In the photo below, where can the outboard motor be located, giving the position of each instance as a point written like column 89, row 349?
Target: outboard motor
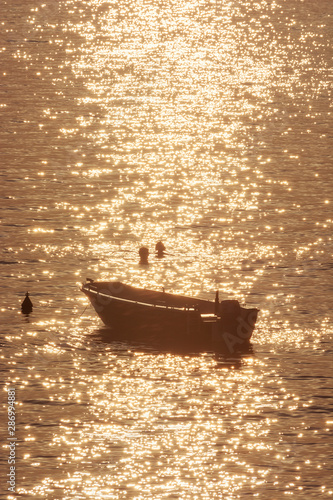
column 228, row 308
column 230, row 312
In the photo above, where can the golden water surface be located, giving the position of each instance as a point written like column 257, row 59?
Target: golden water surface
column 204, row 124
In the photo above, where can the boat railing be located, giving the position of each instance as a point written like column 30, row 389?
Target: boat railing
column 93, row 289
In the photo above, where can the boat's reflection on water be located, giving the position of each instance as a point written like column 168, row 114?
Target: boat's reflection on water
column 119, row 343
column 233, row 361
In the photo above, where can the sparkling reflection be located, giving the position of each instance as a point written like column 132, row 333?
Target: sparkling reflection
column 204, row 125
column 150, row 423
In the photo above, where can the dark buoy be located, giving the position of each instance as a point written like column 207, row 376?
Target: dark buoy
column 26, row 305
column 160, row 248
column 144, row 252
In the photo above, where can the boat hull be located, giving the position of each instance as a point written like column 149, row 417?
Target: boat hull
column 166, row 319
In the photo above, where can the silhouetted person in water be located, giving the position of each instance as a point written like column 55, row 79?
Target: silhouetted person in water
column 160, row 249
column 143, row 252
column 26, row 305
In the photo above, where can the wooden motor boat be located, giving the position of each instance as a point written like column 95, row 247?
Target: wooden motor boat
column 169, row 319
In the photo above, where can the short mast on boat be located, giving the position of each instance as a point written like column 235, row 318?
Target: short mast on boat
column 217, row 303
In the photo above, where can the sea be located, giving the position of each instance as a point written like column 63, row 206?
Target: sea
column 204, row 124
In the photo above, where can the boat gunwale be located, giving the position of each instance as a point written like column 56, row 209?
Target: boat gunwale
column 87, row 288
